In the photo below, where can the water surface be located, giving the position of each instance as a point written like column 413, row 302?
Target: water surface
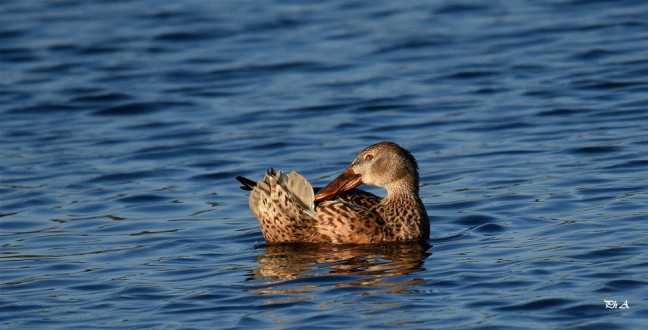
column 124, row 123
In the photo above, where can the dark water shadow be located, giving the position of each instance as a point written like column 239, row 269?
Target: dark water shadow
column 314, row 265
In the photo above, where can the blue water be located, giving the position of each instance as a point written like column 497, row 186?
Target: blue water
column 124, row 123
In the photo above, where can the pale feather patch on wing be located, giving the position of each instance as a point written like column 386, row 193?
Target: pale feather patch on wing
column 302, row 191
column 260, row 191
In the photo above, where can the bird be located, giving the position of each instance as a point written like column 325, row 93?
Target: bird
column 289, row 210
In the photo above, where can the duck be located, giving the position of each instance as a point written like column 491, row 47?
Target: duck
column 289, row 210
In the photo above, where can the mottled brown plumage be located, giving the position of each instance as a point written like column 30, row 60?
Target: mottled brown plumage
column 287, row 213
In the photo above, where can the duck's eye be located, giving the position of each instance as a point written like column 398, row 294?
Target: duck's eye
column 368, row 157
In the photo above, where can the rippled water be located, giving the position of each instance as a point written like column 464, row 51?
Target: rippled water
column 124, row 123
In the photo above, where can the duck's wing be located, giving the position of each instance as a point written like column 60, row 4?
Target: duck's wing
column 281, row 203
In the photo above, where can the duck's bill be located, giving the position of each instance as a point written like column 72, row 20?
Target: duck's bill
column 343, row 183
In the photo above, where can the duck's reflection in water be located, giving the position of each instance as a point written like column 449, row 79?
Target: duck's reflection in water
column 369, row 264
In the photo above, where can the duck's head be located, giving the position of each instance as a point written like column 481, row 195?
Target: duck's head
column 384, row 164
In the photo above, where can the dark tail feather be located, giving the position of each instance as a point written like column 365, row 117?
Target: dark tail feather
column 247, row 183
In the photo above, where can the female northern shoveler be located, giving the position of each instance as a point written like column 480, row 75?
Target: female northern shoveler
column 289, row 211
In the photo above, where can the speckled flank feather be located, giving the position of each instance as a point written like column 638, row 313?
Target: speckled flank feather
column 343, row 223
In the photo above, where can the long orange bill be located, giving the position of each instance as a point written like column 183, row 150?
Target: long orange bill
column 344, row 182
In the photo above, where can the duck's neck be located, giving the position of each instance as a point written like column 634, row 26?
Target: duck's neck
column 402, row 198
column 404, row 188
column 404, row 211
